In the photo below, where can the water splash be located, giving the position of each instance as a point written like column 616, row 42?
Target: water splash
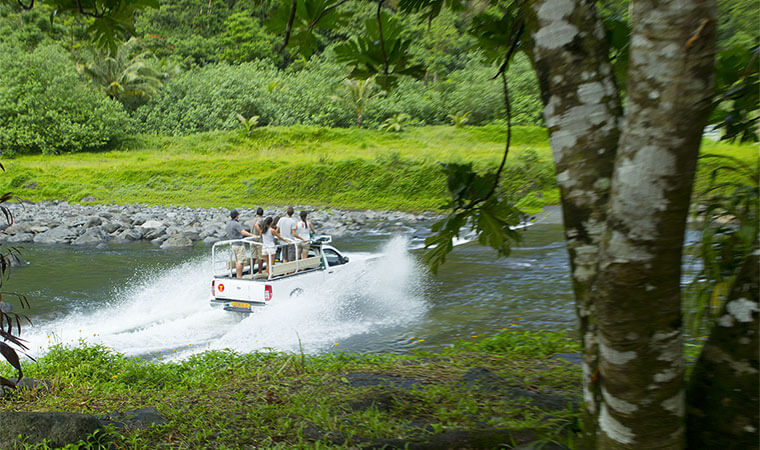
column 166, row 314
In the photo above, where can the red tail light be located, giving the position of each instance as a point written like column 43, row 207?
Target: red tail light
column 213, row 292
column 267, row 292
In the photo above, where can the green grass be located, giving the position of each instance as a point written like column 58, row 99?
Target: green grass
column 335, row 167
column 347, row 168
column 228, row 400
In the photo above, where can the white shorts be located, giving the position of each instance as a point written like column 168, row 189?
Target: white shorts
column 269, row 250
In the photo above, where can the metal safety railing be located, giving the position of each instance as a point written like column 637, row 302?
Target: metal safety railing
column 223, row 257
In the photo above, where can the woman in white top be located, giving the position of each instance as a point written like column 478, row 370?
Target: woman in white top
column 268, row 248
column 303, row 227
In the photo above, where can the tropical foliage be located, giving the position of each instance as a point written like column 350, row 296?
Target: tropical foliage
column 356, row 95
column 125, row 75
column 38, row 114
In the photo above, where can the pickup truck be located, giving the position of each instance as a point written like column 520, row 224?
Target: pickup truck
column 284, row 280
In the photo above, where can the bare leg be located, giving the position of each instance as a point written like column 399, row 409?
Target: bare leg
column 239, row 270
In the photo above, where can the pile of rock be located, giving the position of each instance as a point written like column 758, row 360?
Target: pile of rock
column 59, row 222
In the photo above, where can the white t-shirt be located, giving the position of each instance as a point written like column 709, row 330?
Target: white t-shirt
column 286, row 225
column 302, row 229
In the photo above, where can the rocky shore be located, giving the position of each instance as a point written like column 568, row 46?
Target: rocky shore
column 58, row 222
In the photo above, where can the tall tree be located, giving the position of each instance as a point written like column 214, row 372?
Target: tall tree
column 625, row 176
column 626, row 179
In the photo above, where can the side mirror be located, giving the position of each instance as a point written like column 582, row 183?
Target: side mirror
column 344, row 260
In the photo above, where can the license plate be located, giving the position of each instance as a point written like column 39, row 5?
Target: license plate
column 240, row 305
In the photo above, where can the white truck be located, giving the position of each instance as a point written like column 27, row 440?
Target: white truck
column 284, row 280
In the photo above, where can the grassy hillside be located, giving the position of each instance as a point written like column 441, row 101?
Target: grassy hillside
column 348, row 168
column 305, row 165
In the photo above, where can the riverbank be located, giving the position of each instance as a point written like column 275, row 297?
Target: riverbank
column 508, row 389
column 58, row 222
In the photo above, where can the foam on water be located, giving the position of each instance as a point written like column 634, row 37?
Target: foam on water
column 166, row 314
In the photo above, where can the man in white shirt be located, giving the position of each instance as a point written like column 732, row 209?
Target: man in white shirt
column 286, row 227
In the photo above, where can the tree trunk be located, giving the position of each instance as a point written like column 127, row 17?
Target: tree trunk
column 582, row 112
column 638, row 296
column 722, row 398
column 625, row 200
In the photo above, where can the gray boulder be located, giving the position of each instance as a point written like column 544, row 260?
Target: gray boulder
column 60, row 429
column 93, row 221
column 20, row 238
column 140, row 218
column 160, row 240
column 93, row 236
column 110, row 227
column 152, row 223
column 19, row 227
column 58, row 235
column 177, row 241
column 210, row 240
column 132, row 234
column 39, row 229
column 152, row 233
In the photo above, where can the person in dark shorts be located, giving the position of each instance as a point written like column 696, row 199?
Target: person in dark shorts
column 286, row 226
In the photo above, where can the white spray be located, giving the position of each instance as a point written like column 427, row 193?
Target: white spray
column 167, row 314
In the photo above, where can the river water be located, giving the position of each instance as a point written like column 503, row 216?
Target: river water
column 143, row 301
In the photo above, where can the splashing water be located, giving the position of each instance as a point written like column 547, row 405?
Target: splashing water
column 166, row 314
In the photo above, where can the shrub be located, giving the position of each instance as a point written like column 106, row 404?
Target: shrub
column 210, row 98
column 45, row 107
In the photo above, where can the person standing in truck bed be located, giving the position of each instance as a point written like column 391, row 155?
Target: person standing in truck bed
column 268, row 233
column 304, row 228
column 236, row 231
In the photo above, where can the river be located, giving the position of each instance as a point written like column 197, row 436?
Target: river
column 143, row 301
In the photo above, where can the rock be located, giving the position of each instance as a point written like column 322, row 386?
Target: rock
column 210, row 240
column 19, row 227
column 58, row 235
column 58, row 429
column 20, row 238
column 152, row 233
column 139, row 418
column 177, row 241
column 160, row 240
column 93, row 236
column 193, row 235
column 131, row 235
column 152, row 223
column 139, row 219
column 110, row 227
column 93, row 221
